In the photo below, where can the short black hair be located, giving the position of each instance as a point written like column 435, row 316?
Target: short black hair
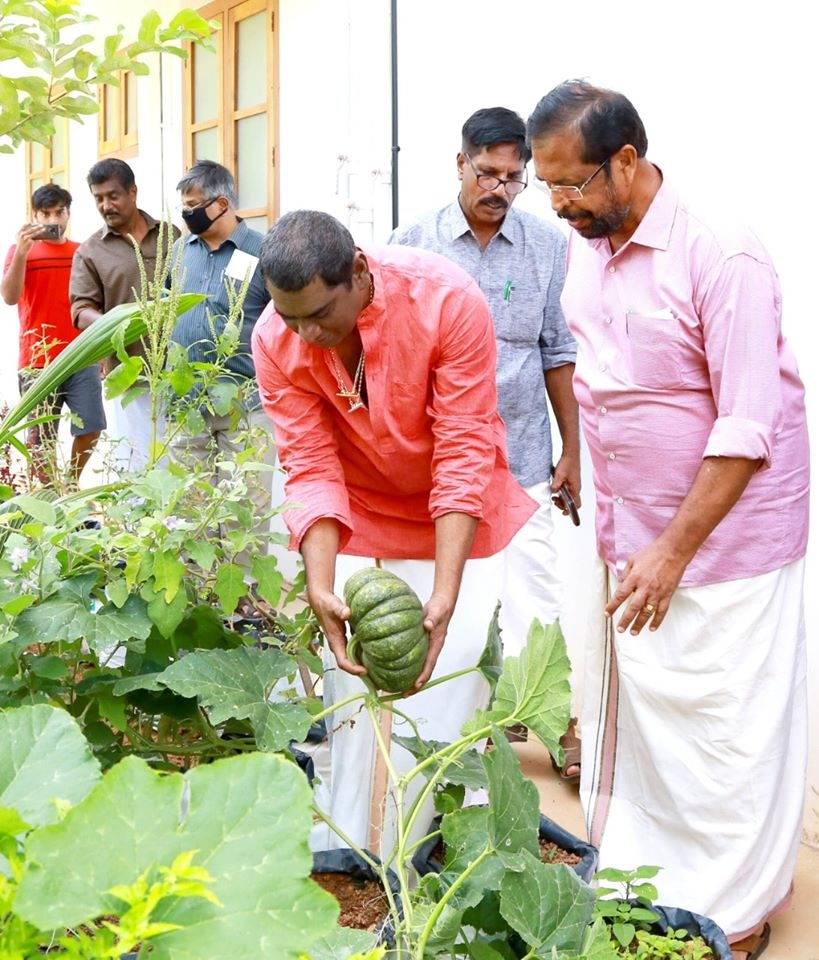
column 606, row 120
column 111, row 168
column 491, row 126
column 212, row 179
column 50, row 195
column 303, row 245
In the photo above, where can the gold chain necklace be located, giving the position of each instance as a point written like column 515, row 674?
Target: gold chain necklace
column 354, row 395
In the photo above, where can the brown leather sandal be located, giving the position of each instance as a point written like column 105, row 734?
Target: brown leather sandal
column 571, row 753
column 752, row 946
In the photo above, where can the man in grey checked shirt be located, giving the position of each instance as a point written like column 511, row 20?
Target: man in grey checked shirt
column 518, row 260
column 221, row 249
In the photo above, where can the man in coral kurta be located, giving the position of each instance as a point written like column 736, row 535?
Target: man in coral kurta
column 377, row 368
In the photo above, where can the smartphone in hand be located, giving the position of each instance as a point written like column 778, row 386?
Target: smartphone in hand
column 48, row 231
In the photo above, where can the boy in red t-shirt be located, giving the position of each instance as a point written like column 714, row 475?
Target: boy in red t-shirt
column 36, row 277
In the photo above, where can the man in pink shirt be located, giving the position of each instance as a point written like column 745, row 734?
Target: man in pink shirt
column 693, row 411
column 377, row 369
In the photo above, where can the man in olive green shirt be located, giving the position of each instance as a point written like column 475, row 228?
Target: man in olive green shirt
column 104, row 274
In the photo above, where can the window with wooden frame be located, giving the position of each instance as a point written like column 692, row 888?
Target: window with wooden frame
column 230, row 107
column 48, row 164
column 117, row 131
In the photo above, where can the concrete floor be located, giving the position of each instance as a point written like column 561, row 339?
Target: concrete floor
column 795, row 931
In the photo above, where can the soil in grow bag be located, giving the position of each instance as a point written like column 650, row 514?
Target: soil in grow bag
column 363, row 902
column 358, row 889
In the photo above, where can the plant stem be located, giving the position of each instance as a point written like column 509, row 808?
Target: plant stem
column 429, row 926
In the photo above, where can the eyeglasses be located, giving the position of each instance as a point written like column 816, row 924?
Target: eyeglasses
column 197, row 206
column 487, row 182
column 566, row 191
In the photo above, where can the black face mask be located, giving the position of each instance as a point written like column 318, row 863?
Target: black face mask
column 197, row 221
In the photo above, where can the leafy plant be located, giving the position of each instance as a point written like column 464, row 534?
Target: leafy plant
column 59, row 73
column 631, row 910
column 181, row 864
column 118, row 602
column 628, row 925
column 493, row 886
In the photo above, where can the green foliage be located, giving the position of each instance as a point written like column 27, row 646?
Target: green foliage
column 56, row 73
column 118, row 603
column 494, row 896
column 626, row 923
column 183, row 863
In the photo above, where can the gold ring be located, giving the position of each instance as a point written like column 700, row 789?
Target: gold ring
column 649, row 608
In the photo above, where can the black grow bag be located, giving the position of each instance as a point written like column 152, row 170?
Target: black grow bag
column 352, row 864
column 425, row 862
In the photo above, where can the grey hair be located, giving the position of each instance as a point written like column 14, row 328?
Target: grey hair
column 212, row 179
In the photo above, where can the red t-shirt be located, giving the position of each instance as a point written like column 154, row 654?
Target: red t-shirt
column 45, row 315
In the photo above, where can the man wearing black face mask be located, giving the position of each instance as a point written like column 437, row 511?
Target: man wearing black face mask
column 218, row 254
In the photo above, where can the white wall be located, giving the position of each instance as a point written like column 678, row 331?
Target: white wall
column 726, row 90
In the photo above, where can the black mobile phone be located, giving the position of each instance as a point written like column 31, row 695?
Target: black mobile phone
column 48, row 231
column 567, row 502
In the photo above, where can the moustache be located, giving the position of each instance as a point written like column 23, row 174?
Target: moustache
column 496, row 202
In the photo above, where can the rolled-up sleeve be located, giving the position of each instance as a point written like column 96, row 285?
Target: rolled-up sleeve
column 557, row 345
column 740, row 313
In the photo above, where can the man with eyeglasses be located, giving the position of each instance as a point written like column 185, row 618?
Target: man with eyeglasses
column 104, row 274
column 694, row 414
column 219, row 253
column 517, row 260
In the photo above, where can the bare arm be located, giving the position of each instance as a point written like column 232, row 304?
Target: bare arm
column 319, row 549
column 651, row 575
column 454, row 533
column 561, row 399
column 11, row 289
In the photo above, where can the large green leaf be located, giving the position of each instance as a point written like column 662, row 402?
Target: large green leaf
column 64, row 616
column 534, row 688
column 43, row 758
column 491, row 661
column 237, row 683
column 275, row 725
column 248, row 819
column 547, row 904
column 228, row 682
column 117, row 626
column 514, row 802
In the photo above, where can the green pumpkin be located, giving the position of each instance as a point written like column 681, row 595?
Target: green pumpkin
column 387, row 624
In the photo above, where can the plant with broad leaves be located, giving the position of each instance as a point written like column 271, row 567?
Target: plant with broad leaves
column 55, row 71
column 213, row 863
column 112, row 597
column 494, row 887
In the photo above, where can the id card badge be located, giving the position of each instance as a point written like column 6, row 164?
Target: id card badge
column 241, row 264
